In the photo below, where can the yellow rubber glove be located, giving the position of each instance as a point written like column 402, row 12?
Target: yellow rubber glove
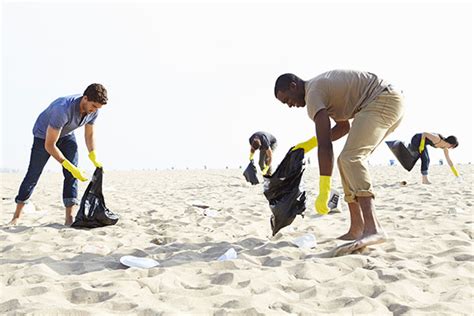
column 265, row 169
column 93, row 158
column 322, row 200
column 307, row 145
column 455, row 172
column 76, row 172
column 422, row 145
column 251, row 156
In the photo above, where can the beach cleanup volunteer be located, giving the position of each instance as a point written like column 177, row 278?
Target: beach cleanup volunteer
column 376, row 108
column 54, row 136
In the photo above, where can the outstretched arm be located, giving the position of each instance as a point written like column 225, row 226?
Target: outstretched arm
column 326, row 160
column 448, row 159
column 450, row 163
column 90, row 143
column 89, row 137
column 268, row 158
column 52, row 136
column 252, row 152
column 325, row 152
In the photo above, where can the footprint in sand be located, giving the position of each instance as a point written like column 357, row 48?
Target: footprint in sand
column 83, row 296
column 122, row 307
column 223, row 279
column 37, row 290
column 243, row 284
column 9, row 306
column 232, row 304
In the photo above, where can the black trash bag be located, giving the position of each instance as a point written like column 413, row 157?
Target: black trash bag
column 93, row 212
column 282, row 190
column 250, row 173
column 406, row 156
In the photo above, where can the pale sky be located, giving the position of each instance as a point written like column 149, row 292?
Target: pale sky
column 188, row 83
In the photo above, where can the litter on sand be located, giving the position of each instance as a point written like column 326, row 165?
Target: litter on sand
column 138, row 262
column 307, row 241
column 228, row 255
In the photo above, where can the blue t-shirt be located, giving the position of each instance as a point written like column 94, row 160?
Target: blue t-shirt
column 64, row 113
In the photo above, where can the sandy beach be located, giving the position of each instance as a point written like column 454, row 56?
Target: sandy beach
column 426, row 267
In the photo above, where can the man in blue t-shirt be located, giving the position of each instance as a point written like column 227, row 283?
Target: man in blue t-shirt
column 54, row 136
column 266, row 143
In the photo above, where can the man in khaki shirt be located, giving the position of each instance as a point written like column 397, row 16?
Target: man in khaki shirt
column 376, row 109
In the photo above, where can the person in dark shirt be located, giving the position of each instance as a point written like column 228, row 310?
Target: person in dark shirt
column 266, row 143
column 419, row 143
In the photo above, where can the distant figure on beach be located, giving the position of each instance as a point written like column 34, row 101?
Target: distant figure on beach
column 266, row 143
column 420, row 141
column 54, row 136
column 376, row 108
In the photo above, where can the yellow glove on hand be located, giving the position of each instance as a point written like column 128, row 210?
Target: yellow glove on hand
column 422, row 145
column 322, row 200
column 307, row 145
column 265, row 169
column 76, row 172
column 93, row 158
column 251, row 156
column 455, row 172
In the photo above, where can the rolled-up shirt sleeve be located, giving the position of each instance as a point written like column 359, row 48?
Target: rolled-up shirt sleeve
column 316, row 100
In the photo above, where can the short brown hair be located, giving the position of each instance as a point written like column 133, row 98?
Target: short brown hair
column 96, row 93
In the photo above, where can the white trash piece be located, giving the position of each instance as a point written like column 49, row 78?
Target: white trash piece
column 307, row 241
column 138, row 262
column 455, row 211
column 229, row 255
column 333, row 199
column 459, row 179
column 210, row 212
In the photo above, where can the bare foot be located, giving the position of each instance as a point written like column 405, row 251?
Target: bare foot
column 68, row 221
column 363, row 242
column 424, row 180
column 13, row 222
column 350, row 236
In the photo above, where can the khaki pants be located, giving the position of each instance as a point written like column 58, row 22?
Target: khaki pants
column 370, row 127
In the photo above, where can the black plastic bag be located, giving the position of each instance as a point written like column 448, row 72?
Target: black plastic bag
column 93, row 212
column 282, row 190
column 406, row 156
column 250, row 173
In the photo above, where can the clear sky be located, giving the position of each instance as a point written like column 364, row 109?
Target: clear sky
column 188, row 83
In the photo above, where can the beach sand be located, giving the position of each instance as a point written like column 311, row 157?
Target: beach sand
column 426, row 266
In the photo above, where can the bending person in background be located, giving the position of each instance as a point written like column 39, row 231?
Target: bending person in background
column 54, row 136
column 420, row 141
column 266, row 143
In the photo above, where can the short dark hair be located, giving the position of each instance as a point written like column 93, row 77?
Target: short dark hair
column 256, row 143
column 283, row 82
column 96, row 93
column 452, row 140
